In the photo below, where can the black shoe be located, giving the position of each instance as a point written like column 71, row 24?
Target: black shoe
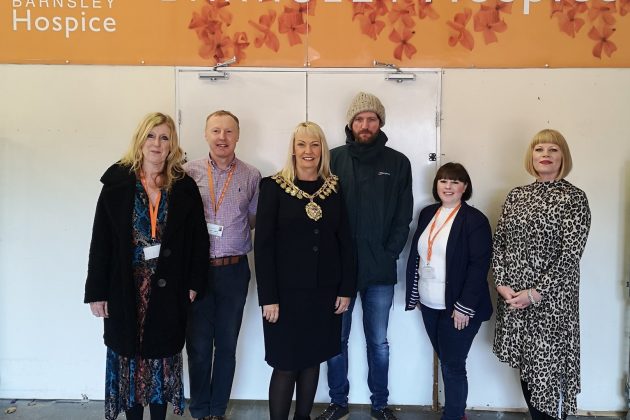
column 384, row 414
column 334, row 412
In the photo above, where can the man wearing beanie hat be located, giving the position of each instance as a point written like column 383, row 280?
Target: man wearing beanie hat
column 376, row 181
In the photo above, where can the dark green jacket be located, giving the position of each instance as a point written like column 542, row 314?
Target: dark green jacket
column 376, row 184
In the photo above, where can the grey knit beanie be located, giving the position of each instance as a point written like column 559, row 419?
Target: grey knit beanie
column 365, row 102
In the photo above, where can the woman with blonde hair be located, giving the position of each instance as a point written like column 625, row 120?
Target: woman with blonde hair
column 148, row 261
column 538, row 244
column 304, row 269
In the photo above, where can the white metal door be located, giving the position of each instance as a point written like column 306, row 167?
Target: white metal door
column 269, row 104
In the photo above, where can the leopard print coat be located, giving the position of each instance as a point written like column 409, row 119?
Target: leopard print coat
column 538, row 243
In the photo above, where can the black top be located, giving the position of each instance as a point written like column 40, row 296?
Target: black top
column 377, row 187
column 182, row 265
column 296, row 252
column 468, row 252
column 302, row 265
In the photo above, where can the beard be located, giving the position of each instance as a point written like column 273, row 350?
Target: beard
column 360, row 137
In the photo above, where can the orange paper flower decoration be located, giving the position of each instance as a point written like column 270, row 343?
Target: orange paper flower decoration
column 603, row 43
column 404, row 46
column 564, row 6
column 569, row 23
column 292, row 23
column 425, row 9
column 240, row 43
column 224, row 49
column 267, row 38
column 602, row 10
column 370, row 25
column 489, row 22
column 461, row 34
column 404, row 12
column 497, row 7
column 400, row 17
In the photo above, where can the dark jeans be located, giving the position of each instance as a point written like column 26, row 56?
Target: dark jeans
column 452, row 347
column 376, row 302
column 213, row 326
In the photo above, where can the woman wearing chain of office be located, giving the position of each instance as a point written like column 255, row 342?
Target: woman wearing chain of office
column 304, row 269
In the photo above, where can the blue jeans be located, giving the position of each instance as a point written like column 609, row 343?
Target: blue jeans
column 376, row 302
column 452, row 347
column 213, row 326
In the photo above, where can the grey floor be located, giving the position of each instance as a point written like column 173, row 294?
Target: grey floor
column 237, row 410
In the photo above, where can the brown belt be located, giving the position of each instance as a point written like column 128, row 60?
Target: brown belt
column 221, row 261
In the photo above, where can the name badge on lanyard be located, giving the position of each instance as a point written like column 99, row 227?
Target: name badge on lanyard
column 214, row 229
column 151, row 252
column 427, row 272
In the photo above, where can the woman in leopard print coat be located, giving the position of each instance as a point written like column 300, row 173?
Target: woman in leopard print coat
column 537, row 248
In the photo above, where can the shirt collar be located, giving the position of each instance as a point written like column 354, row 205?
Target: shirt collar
column 216, row 167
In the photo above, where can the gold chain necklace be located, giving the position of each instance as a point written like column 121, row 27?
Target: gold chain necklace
column 313, row 210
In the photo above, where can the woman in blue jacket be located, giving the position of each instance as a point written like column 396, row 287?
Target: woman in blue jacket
column 447, row 278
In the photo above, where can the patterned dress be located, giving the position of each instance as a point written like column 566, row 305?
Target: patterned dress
column 131, row 381
column 538, row 244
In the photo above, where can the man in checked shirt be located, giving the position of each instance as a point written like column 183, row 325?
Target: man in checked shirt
column 229, row 190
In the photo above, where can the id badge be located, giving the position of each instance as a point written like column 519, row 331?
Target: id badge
column 215, row 230
column 427, row 272
column 151, row 252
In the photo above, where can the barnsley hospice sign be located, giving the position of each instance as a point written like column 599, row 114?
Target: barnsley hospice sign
column 320, row 33
column 25, row 16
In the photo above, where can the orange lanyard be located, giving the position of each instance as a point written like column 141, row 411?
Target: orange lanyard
column 432, row 237
column 216, row 204
column 153, row 210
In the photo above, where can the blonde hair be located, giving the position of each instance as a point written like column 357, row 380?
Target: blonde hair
column 134, row 158
column 308, row 128
column 549, row 135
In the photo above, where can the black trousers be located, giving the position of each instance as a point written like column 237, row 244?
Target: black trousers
column 533, row 411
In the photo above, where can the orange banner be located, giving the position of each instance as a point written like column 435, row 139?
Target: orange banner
column 318, row 33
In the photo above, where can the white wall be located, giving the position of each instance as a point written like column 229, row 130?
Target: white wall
column 62, row 125
column 489, row 116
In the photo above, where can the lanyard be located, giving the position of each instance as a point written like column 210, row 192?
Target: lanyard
column 153, row 210
column 216, row 204
column 432, row 237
